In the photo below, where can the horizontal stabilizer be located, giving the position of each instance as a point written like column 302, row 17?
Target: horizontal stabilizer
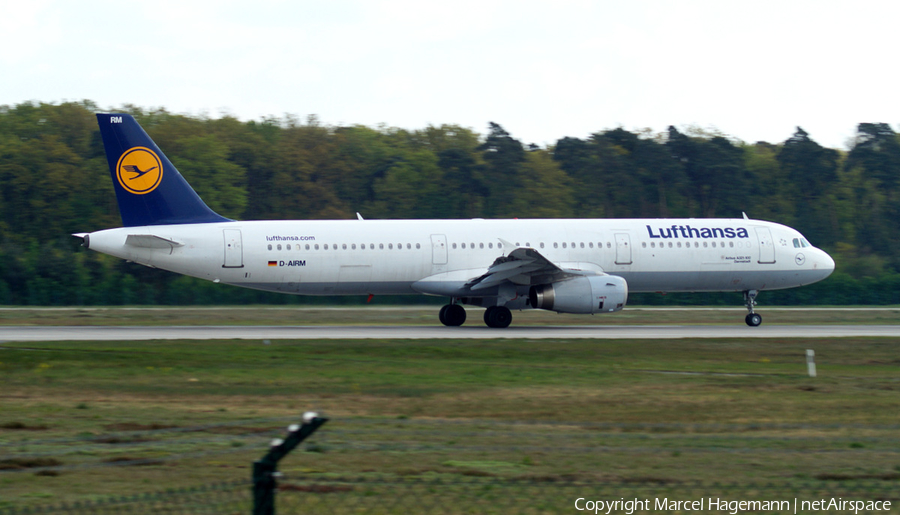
column 151, row 241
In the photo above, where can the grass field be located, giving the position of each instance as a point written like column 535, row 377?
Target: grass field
column 86, row 420
column 427, row 315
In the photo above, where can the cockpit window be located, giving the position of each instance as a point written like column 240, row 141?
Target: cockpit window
column 796, row 243
column 804, row 243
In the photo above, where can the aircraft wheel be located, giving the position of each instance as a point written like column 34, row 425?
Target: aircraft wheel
column 753, row 319
column 498, row 317
column 487, row 315
column 452, row 315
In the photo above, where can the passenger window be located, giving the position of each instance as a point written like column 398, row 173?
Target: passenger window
column 454, row 246
column 490, row 245
column 573, row 244
column 390, row 246
column 381, row 246
column 307, row 246
column 705, row 244
column 591, row 244
column 371, row 246
column 279, row 246
column 644, row 244
column 317, row 246
column 529, row 245
column 582, row 244
column 679, row 244
column 481, row 245
column 270, row 246
column 288, row 246
column 713, row 244
column 418, row 245
column 542, row 244
column 353, row 247
column 463, row 245
column 408, row 246
column 344, row 246
column 471, row 245
column 731, row 244
column 564, row 244
column 555, row 245
column 670, row 244
column 652, row 244
column 608, row 245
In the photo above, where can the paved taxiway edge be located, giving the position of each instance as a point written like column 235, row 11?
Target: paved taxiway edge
column 655, row 332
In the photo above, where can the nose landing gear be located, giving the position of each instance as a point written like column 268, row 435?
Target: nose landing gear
column 753, row 319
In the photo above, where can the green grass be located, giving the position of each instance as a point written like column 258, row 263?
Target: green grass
column 594, row 410
column 427, row 315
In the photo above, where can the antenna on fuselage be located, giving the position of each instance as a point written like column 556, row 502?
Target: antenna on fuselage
column 743, row 213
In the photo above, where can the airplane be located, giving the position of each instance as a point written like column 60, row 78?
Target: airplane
column 584, row 266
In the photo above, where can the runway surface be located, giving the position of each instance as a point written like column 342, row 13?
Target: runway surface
column 654, row 332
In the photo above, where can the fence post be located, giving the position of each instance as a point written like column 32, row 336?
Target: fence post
column 264, row 470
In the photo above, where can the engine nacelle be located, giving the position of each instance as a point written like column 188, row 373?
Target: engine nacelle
column 587, row 294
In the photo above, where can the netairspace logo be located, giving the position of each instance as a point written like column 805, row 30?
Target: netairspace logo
column 794, row 506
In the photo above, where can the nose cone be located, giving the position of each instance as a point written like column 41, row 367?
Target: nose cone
column 824, row 265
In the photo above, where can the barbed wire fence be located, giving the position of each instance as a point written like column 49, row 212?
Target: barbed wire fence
column 388, row 495
column 466, row 491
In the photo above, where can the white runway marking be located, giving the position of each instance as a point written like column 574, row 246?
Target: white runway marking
column 655, row 332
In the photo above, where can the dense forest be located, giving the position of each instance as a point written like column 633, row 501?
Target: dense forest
column 55, row 181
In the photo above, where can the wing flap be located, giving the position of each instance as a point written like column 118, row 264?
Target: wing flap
column 518, row 267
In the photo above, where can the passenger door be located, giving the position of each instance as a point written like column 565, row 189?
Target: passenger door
column 234, row 253
column 623, row 249
column 766, row 245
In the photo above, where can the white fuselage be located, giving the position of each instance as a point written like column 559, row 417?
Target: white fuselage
column 439, row 256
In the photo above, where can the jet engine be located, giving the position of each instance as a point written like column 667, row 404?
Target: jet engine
column 586, row 294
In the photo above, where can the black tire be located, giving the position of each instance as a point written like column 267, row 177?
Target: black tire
column 488, row 313
column 455, row 315
column 753, row 319
column 498, row 317
column 442, row 314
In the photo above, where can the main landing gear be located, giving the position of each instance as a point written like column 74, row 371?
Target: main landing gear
column 753, row 319
column 497, row 316
column 454, row 315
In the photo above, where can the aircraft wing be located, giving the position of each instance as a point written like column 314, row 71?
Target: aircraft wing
column 522, row 266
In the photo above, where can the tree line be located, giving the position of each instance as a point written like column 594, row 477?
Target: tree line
column 55, row 181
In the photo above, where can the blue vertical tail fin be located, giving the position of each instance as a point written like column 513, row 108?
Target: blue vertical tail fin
column 149, row 189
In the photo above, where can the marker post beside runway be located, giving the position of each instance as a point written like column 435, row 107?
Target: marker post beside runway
column 811, row 362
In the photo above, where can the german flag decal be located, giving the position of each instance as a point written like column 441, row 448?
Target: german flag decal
column 273, row 263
